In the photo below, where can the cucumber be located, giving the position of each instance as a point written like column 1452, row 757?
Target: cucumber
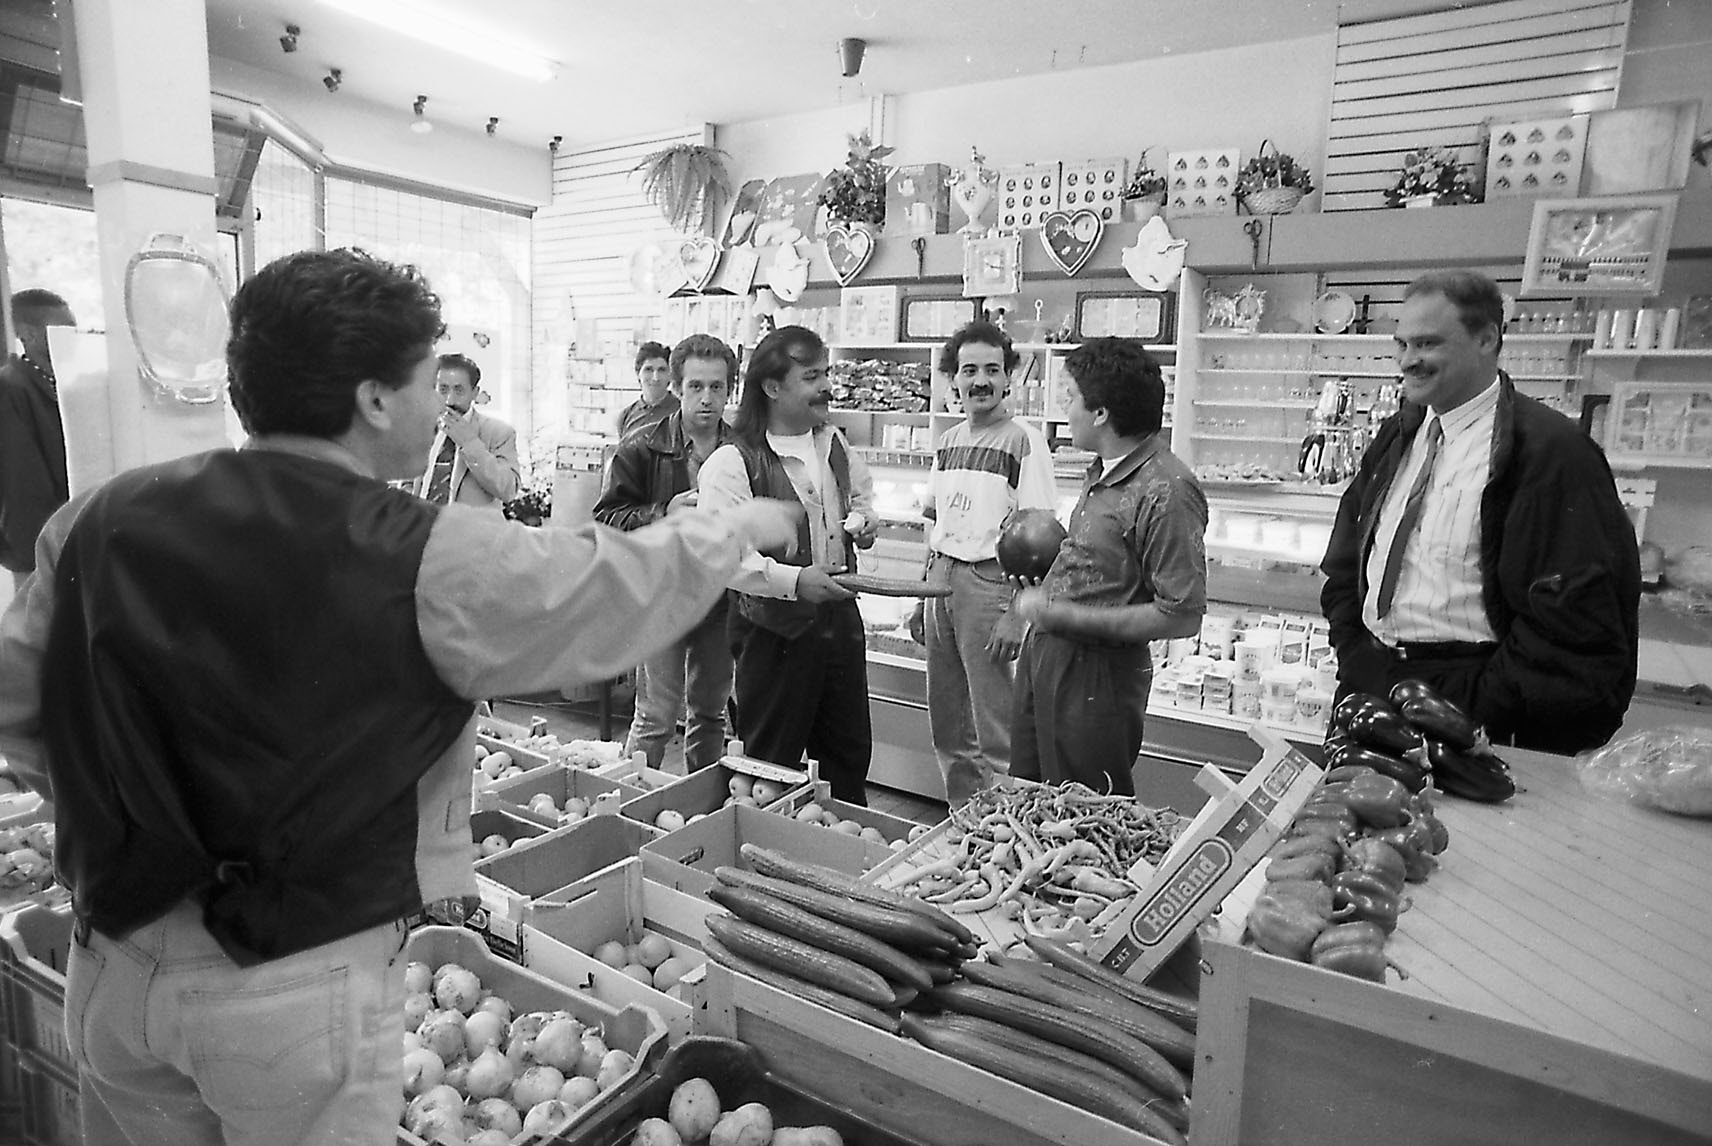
column 1173, row 1006
column 794, row 957
column 837, row 883
column 901, row 929
column 1078, row 1032
column 764, row 910
column 790, row 984
column 1055, row 1071
column 1081, row 998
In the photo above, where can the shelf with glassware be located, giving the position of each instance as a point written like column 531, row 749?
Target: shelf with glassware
column 1662, row 420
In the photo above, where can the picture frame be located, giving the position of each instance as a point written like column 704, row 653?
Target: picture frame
column 1612, row 245
column 868, row 316
column 1150, row 316
column 992, row 265
column 935, row 318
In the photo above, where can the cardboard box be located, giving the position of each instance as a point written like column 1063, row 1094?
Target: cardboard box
column 896, row 829
column 487, row 822
column 619, row 905
column 562, row 785
column 707, row 789
column 918, row 202
column 685, row 859
column 1229, row 836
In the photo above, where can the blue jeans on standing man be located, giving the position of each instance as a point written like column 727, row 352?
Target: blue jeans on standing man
column 696, row 671
column 968, row 692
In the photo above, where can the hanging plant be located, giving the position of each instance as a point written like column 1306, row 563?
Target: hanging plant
column 856, row 192
column 688, row 183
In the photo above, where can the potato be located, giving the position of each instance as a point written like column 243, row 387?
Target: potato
column 807, row 1136
column 749, row 1125
column 656, row 1132
column 694, row 1109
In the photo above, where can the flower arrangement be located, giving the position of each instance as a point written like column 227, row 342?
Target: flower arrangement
column 1145, row 182
column 856, row 192
column 1432, row 171
column 1266, row 172
column 530, row 506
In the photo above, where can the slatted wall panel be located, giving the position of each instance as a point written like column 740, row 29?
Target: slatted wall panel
column 1438, row 79
column 582, row 247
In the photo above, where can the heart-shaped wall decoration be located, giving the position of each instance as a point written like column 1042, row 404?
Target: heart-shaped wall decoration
column 1070, row 238
column 700, row 256
column 848, row 249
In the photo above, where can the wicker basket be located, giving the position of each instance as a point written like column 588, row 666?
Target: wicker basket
column 1273, row 200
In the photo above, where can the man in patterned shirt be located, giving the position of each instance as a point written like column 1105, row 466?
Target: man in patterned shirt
column 1133, row 570
column 984, row 467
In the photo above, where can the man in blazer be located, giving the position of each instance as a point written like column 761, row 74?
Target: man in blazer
column 474, row 459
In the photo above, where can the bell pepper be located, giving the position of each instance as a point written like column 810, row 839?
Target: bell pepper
column 1318, row 866
column 1377, row 858
column 1288, row 915
column 1414, row 842
column 1377, row 801
column 1331, row 811
column 1325, row 826
column 1407, row 772
column 1292, row 846
column 1384, row 729
column 1356, row 949
column 1343, row 773
column 1369, row 897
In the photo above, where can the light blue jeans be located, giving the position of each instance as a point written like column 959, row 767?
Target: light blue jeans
column 176, row 1045
column 968, row 692
column 698, row 671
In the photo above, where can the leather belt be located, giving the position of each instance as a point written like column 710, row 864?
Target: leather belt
column 1440, row 650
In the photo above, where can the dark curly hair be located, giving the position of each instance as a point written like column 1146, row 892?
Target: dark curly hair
column 309, row 327
column 772, row 359
column 649, row 351
column 1121, row 377
column 981, row 332
column 703, row 346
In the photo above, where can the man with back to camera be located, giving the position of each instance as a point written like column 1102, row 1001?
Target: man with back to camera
column 657, row 403
column 244, row 678
column 1133, row 570
column 1481, row 547
column 474, row 457
column 654, row 473
column 984, row 467
column 32, row 440
column 802, row 655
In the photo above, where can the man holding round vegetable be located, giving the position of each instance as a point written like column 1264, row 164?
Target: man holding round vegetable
column 1481, row 547
column 1132, row 570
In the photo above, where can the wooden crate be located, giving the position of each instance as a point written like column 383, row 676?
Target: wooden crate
column 707, row 789
column 529, row 876
column 890, row 1081
column 562, row 784
column 896, row 829
column 685, row 859
column 1560, row 980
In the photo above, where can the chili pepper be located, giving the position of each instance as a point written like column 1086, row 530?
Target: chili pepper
column 1406, row 772
column 1356, row 949
column 1414, row 842
column 1384, row 729
column 1473, row 777
column 1377, row 858
column 1377, row 801
column 1369, row 897
column 1287, row 916
column 1294, row 846
column 1316, row 866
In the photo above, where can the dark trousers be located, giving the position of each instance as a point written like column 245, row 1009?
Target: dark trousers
column 1079, row 712
column 808, row 694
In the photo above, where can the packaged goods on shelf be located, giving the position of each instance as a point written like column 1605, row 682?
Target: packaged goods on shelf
column 878, row 384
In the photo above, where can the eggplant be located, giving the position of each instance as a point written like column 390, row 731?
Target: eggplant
column 1406, row 690
column 1384, row 729
column 1439, row 719
column 1483, row 778
column 1411, row 775
column 1355, row 702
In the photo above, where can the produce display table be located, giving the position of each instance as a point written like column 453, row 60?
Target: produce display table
column 1560, row 991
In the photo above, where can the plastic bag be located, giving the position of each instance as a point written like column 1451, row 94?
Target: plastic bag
column 1667, row 768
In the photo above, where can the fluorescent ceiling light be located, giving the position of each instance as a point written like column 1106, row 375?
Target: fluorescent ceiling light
column 463, row 37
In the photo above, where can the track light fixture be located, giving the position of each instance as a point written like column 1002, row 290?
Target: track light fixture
column 288, row 42
column 420, row 124
column 553, row 144
column 493, row 125
column 333, row 79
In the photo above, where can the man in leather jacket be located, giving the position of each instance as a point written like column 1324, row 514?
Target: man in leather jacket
column 1513, row 586
column 246, row 679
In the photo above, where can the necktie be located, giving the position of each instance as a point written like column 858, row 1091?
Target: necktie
column 1410, row 519
column 440, row 485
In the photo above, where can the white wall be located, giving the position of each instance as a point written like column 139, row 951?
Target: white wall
column 371, row 136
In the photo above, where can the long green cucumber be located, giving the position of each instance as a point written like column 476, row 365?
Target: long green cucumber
column 902, row 929
column 831, row 880
column 774, row 914
column 790, row 984
column 794, row 957
column 1172, row 1006
column 1164, row 1036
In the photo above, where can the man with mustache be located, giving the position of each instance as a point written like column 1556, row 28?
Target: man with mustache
column 802, row 656
column 984, row 467
column 1482, row 547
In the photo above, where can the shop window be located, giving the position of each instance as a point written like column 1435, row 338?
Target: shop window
column 283, row 197
column 55, row 248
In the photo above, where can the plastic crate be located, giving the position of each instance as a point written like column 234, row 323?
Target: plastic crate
column 35, row 942
column 739, row 1075
column 632, row 1029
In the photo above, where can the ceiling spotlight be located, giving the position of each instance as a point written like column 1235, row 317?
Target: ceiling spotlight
column 492, row 124
column 333, row 79
column 553, row 144
column 288, row 42
column 850, row 50
column 420, row 124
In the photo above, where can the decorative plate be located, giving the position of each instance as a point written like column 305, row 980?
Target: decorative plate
column 1333, row 312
